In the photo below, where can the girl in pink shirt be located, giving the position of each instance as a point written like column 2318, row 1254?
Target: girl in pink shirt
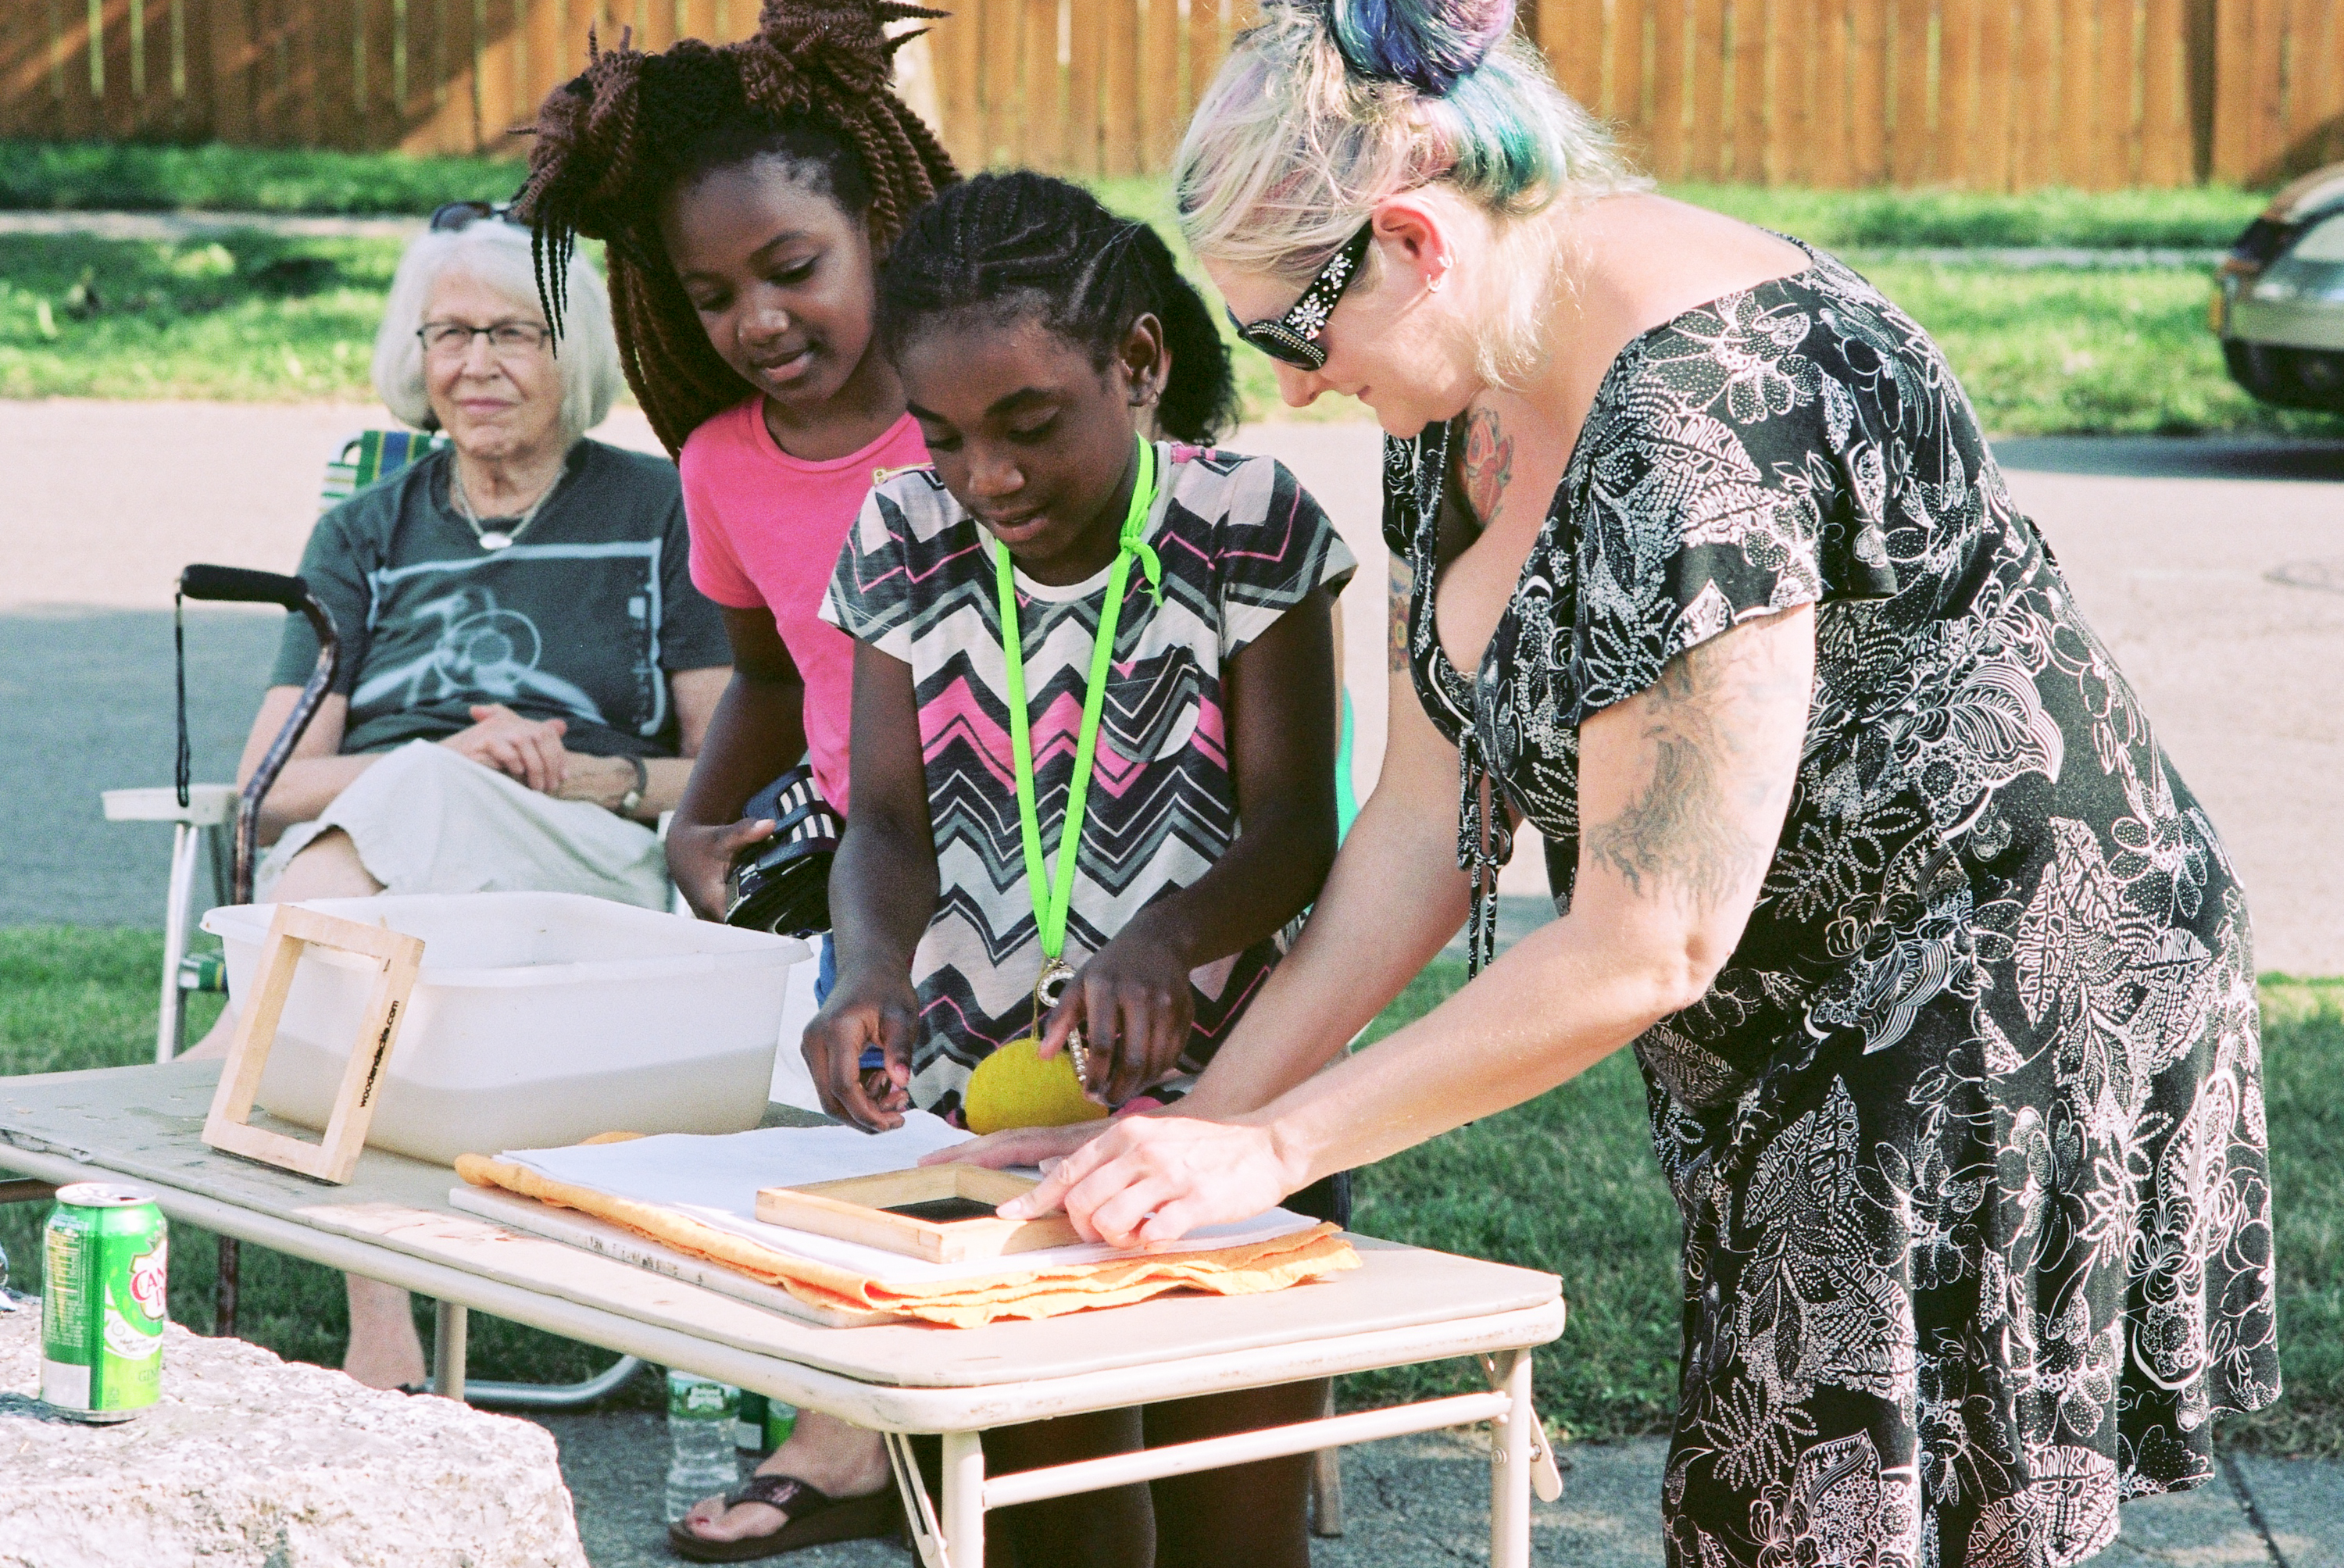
column 744, row 193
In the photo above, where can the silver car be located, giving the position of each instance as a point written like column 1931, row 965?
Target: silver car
column 2278, row 297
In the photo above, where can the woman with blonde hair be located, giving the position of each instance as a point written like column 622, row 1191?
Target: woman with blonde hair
column 1941, row 984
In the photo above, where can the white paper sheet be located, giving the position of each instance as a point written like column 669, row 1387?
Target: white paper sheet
column 714, row 1179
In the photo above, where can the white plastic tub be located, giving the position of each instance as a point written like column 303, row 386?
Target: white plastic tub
column 538, row 1019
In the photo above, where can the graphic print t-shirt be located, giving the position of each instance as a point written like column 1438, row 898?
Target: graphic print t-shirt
column 1242, row 543
column 579, row 619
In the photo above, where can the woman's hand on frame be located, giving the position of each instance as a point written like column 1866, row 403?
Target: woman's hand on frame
column 1157, row 1177
column 1020, row 1146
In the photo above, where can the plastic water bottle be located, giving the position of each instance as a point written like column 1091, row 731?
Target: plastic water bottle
column 700, row 1434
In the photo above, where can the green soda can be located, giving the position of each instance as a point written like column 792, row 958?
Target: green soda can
column 107, row 1251
column 781, row 1419
column 749, row 1423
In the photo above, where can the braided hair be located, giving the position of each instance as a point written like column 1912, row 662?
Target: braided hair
column 810, row 88
column 1023, row 246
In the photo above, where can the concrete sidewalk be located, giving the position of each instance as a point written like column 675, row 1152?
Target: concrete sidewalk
column 1424, row 1503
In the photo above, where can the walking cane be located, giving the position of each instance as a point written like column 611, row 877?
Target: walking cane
column 235, row 584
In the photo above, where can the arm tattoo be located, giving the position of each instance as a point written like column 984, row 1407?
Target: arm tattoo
column 1403, row 583
column 1682, row 834
column 1488, row 463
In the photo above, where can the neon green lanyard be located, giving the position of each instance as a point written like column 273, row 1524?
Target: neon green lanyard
column 1051, row 897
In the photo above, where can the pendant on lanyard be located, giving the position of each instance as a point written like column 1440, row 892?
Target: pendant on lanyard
column 1052, row 895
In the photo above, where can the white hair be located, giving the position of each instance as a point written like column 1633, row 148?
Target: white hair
column 497, row 254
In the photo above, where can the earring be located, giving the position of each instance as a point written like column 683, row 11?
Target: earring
column 1433, row 285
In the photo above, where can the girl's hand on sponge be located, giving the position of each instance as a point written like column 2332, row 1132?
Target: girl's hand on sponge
column 885, row 1013
column 1135, row 1007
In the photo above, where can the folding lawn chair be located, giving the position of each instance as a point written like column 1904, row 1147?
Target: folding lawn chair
column 201, row 827
column 203, row 814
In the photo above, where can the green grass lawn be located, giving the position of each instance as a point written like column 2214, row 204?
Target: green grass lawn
column 122, row 176
column 249, row 316
column 2050, row 352
column 1566, row 1183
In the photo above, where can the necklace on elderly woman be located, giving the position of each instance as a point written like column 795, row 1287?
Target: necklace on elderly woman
column 1052, row 895
column 494, row 538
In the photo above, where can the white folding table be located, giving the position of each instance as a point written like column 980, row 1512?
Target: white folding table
column 394, row 1222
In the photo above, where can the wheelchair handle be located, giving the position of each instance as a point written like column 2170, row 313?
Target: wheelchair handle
column 238, row 584
column 242, row 585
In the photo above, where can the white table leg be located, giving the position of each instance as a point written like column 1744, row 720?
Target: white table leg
column 170, row 1032
column 964, row 1499
column 450, row 1325
column 1510, row 1465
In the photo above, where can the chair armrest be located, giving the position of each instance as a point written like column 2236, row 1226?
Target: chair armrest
column 208, row 805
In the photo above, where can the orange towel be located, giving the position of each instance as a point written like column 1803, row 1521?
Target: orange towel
column 963, row 1303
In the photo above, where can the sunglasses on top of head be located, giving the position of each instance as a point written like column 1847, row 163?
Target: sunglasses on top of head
column 450, row 217
column 1293, row 339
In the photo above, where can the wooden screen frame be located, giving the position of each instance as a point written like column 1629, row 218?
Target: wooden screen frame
column 855, row 1209
column 291, row 932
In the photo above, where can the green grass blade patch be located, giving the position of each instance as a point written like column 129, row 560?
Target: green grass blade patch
column 136, row 177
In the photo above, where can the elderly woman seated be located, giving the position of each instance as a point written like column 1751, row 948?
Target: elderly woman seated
column 527, row 669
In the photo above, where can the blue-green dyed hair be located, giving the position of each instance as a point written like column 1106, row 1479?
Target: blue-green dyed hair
column 1329, row 106
column 1428, row 47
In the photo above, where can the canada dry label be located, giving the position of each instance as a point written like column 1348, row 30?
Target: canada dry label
column 107, row 1253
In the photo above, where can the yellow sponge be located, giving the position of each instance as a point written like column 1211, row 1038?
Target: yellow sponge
column 1016, row 1088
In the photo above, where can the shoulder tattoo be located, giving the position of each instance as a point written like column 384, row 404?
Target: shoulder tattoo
column 1683, row 835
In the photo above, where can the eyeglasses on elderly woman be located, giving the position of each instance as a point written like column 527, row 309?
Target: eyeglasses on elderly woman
column 1293, row 339
column 507, row 340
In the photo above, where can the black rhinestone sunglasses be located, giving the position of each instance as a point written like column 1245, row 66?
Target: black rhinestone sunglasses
column 1293, row 339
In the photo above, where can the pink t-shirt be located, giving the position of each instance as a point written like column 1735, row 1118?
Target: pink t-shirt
column 766, row 529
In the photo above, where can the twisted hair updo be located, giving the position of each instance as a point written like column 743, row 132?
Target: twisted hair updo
column 1024, row 246
column 811, row 89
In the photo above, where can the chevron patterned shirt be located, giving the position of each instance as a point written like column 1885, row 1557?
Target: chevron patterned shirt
column 1242, row 543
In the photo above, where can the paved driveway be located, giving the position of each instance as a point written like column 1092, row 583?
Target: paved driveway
column 2215, row 571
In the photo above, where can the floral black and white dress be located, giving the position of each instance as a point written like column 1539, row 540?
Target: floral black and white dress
column 1969, row 1134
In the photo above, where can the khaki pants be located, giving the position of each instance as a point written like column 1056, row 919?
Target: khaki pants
column 425, row 820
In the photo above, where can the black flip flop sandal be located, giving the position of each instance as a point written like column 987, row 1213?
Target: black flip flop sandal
column 814, row 1518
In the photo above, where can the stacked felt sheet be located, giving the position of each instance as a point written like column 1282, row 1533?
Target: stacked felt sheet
column 698, row 1195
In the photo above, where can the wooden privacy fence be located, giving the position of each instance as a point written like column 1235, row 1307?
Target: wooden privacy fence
column 1984, row 95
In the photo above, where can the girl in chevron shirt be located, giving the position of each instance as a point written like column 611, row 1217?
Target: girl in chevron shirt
column 1034, row 331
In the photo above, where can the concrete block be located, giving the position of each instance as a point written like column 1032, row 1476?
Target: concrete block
column 249, row 1462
